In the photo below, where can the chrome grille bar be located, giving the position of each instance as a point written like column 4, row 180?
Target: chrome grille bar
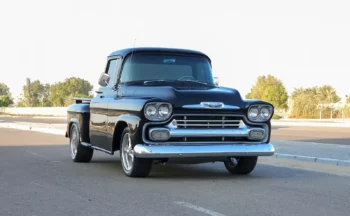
column 208, row 121
column 208, row 124
column 180, row 120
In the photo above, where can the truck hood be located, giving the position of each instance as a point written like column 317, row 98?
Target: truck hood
column 186, row 95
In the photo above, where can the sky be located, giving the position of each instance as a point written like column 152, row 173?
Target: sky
column 303, row 43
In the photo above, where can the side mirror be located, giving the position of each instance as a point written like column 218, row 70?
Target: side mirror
column 216, row 80
column 104, row 79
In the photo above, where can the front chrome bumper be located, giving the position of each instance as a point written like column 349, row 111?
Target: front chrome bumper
column 208, row 150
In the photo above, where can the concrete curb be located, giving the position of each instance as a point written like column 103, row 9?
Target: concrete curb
column 313, row 159
column 33, row 128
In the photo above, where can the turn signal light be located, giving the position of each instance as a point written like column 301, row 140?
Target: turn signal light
column 159, row 135
column 256, row 134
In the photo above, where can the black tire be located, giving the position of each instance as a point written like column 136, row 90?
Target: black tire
column 79, row 153
column 244, row 166
column 140, row 167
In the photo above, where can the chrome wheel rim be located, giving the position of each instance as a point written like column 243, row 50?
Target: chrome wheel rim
column 127, row 153
column 74, row 143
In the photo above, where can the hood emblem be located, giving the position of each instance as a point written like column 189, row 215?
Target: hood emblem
column 211, row 105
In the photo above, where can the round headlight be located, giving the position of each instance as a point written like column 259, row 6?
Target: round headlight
column 265, row 112
column 253, row 112
column 158, row 111
column 151, row 110
column 260, row 113
column 164, row 110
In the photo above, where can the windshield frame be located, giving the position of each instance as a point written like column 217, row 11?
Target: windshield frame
column 184, row 54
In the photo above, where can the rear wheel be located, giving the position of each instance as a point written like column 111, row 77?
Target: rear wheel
column 79, row 153
column 241, row 165
column 132, row 166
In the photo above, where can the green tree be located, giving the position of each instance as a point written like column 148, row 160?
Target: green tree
column 39, row 95
column 61, row 93
column 270, row 89
column 5, row 95
column 4, row 101
column 306, row 101
column 327, row 94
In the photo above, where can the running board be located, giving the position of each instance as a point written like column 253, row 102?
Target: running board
column 96, row 148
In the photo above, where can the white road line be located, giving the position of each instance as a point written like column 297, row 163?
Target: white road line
column 198, row 208
column 41, row 156
column 36, row 154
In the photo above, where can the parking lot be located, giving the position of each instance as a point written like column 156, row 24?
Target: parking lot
column 39, row 178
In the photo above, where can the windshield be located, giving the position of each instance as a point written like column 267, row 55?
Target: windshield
column 148, row 67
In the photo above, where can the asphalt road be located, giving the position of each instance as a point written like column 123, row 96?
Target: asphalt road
column 38, row 178
column 329, row 135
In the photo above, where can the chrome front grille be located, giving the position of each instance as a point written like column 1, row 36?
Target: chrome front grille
column 204, row 128
column 207, row 121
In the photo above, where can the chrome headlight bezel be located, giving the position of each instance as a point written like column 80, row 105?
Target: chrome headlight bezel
column 260, row 117
column 158, row 116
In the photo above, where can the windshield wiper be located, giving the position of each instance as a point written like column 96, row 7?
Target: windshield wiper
column 156, row 81
column 175, row 81
column 145, row 82
column 194, row 81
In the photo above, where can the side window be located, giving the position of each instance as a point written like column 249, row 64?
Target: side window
column 113, row 69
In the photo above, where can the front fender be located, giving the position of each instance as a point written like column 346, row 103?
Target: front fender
column 133, row 122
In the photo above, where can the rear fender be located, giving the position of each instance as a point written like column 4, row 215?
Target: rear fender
column 79, row 114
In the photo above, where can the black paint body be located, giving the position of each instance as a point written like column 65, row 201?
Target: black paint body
column 102, row 119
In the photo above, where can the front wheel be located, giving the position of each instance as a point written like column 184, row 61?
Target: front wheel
column 132, row 166
column 242, row 165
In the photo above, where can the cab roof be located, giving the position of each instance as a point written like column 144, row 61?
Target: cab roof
column 127, row 51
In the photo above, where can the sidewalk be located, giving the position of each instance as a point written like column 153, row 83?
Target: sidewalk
column 304, row 151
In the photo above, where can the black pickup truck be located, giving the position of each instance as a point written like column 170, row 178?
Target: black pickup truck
column 161, row 105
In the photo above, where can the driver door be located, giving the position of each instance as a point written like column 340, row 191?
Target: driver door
column 99, row 135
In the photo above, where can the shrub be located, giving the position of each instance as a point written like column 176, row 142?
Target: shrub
column 276, row 116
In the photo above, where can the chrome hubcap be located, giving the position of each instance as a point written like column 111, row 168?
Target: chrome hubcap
column 74, row 143
column 127, row 153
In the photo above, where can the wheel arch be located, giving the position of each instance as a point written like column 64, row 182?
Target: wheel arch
column 70, row 124
column 83, row 135
column 118, row 130
column 127, row 121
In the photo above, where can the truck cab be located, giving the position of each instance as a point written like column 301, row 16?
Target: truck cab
column 163, row 105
